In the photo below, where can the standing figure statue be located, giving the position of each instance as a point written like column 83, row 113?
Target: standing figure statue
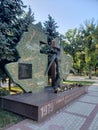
column 53, row 57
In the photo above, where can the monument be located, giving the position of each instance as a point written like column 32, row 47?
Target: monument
column 28, row 71
column 31, row 73
column 60, row 61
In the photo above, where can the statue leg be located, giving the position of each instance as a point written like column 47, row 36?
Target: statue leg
column 57, row 77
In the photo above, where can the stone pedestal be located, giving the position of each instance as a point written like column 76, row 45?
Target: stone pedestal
column 42, row 105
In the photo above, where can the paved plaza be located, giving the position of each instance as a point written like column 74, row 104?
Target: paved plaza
column 81, row 114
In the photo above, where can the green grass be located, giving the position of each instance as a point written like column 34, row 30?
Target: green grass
column 8, row 118
column 84, row 83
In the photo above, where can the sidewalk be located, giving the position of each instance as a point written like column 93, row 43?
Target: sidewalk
column 81, row 114
column 82, row 78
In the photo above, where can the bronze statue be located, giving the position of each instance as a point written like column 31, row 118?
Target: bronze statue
column 53, row 57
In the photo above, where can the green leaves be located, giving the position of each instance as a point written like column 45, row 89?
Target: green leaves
column 13, row 23
column 82, row 44
column 50, row 29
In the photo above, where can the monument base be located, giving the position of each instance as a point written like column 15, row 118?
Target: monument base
column 40, row 105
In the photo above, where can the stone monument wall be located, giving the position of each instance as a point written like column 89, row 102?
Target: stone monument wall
column 28, row 71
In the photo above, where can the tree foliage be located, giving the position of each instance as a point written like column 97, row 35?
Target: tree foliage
column 28, row 19
column 89, row 45
column 82, row 45
column 50, row 27
column 13, row 22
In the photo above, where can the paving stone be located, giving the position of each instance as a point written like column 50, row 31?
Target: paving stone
column 81, row 108
column 93, row 88
column 94, row 124
column 61, row 121
column 93, row 93
column 89, row 99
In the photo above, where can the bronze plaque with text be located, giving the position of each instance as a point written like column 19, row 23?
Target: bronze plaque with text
column 24, row 71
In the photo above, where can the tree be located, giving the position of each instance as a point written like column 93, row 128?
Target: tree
column 96, row 50
column 40, row 26
column 28, row 19
column 88, row 32
column 73, row 45
column 12, row 25
column 70, row 42
column 50, row 27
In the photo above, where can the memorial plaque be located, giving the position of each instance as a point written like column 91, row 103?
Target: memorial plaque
column 24, row 71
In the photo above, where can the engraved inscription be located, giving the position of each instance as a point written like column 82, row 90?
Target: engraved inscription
column 60, row 100
column 47, row 109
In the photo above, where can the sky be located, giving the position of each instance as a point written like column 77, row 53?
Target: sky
column 68, row 14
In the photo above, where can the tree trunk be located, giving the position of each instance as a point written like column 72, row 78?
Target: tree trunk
column 9, row 84
column 90, row 72
column 95, row 71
